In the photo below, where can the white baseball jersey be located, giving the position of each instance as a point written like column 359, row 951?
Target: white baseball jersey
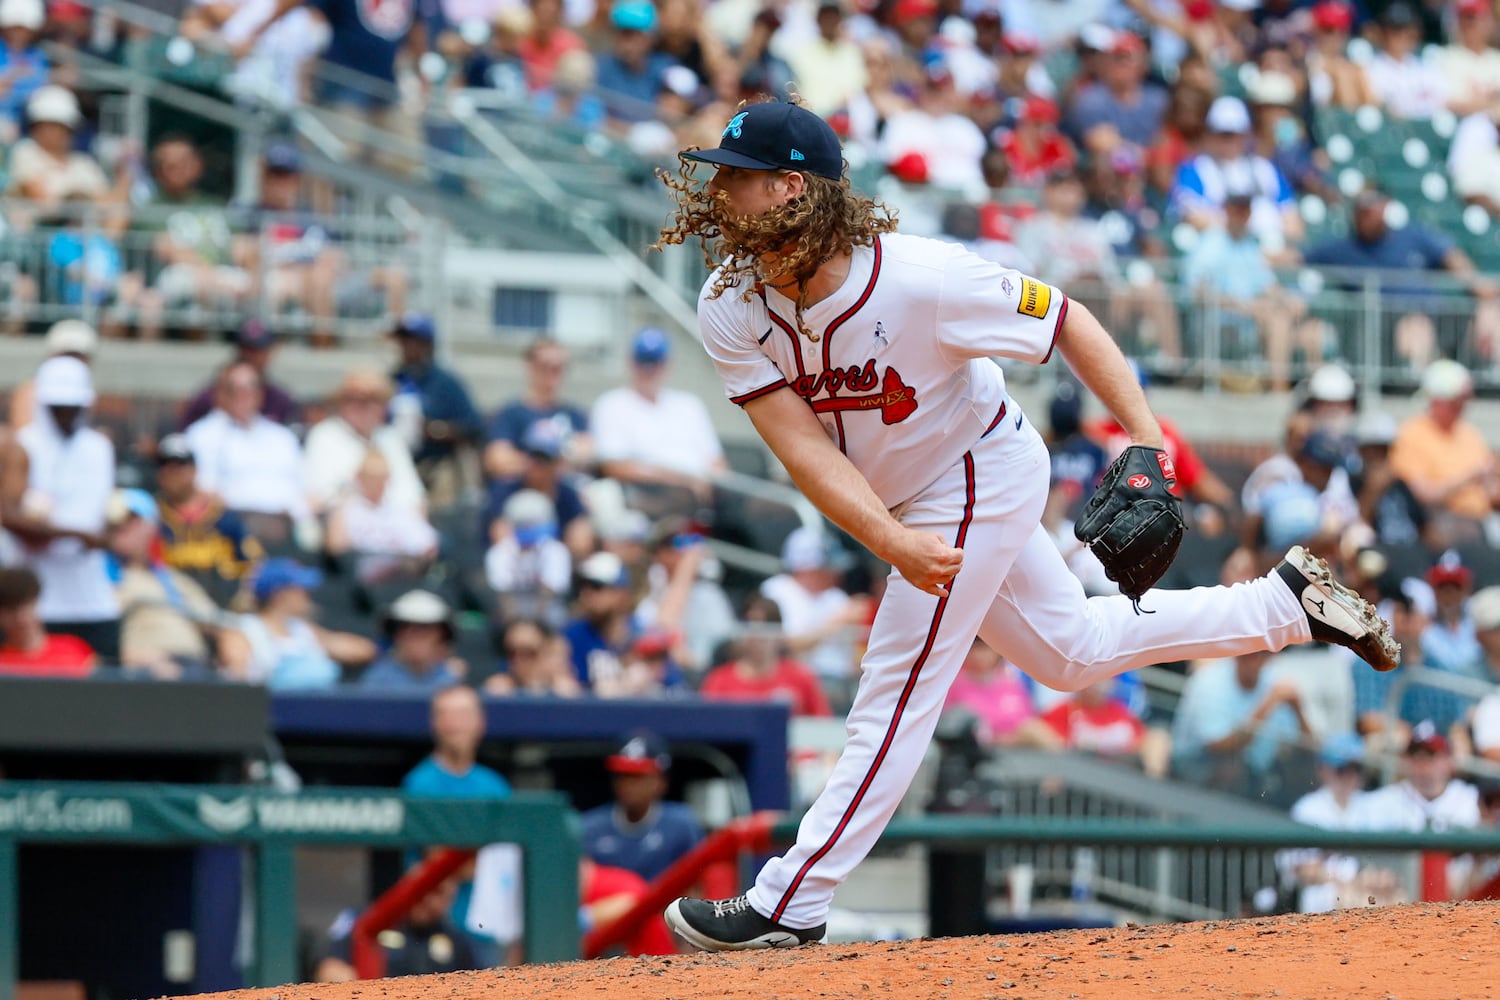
column 899, row 374
column 1401, row 807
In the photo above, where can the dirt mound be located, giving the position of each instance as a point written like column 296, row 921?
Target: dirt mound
column 1444, row 950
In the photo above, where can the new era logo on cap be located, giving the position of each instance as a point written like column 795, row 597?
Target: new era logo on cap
column 776, row 136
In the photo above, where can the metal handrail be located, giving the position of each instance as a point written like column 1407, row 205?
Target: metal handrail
column 1468, row 687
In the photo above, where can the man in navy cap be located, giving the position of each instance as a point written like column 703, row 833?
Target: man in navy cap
column 638, row 831
column 439, row 415
column 648, row 433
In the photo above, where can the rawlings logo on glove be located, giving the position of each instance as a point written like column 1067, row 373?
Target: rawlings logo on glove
column 1133, row 524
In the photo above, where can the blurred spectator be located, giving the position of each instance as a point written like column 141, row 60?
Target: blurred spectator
column 1074, row 251
column 1228, row 266
column 23, row 65
column 546, row 366
column 1449, row 643
column 419, row 627
column 255, row 345
column 1280, row 138
column 1077, row 461
column 1428, row 797
column 1181, row 135
column 761, row 68
column 1330, row 397
column 602, row 633
column 1226, row 167
column 1018, row 77
column 610, row 893
column 432, row 406
column 199, row 535
column 639, row 831
column 1301, row 494
column 1484, row 611
column 1095, row 721
column 289, row 651
column 192, row 240
column 252, row 463
column 500, row 64
column 544, row 46
column 542, row 470
column 527, row 567
column 27, row 649
column 819, row 618
column 647, row 669
column 58, row 476
column 829, row 69
column 1443, row 457
column 70, row 338
column 1057, row 521
column 364, row 42
column 648, row 433
column 1470, row 64
column 169, row 626
column 1403, row 80
column 1194, row 478
column 272, row 64
column 1411, row 249
column 571, row 99
column 1120, row 200
column 683, row 35
column 1120, row 106
column 935, row 143
column 994, row 692
column 886, row 93
column 1033, row 146
column 1234, row 719
column 424, row 942
column 536, row 663
column 1325, row 880
column 1386, row 503
column 386, row 539
column 1409, row 608
column 453, row 771
column 337, row 446
column 1333, row 78
column 761, row 670
column 630, row 73
column 46, row 168
column 683, row 595
column 1474, row 159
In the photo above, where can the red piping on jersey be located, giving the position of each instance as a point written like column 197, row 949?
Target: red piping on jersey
column 765, row 390
column 840, row 320
column 1062, row 314
column 787, row 329
column 996, row 422
column 890, row 733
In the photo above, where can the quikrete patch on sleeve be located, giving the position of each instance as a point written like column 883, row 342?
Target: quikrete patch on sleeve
column 1036, row 298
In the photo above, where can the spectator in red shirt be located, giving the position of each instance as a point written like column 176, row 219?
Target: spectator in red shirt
column 762, row 671
column 547, row 42
column 1034, row 147
column 610, row 893
column 1096, row 722
column 27, row 649
column 1187, row 120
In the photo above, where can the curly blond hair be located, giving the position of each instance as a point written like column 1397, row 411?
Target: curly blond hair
column 826, row 220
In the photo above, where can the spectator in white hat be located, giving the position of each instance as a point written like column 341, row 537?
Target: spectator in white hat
column 419, row 628
column 22, row 63
column 46, row 169
column 819, row 618
column 55, row 488
column 1225, row 165
column 1330, row 397
column 1484, row 724
column 69, row 338
column 1443, row 457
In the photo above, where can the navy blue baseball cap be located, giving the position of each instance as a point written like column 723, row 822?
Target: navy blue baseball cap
column 777, row 136
column 417, row 325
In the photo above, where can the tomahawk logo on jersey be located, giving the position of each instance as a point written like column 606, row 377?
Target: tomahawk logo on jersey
column 907, row 413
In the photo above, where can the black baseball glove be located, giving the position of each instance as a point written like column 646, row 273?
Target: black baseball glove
column 1133, row 523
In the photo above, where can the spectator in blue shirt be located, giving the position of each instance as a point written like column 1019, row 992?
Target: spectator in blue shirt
column 23, row 65
column 453, row 771
column 1077, row 460
column 542, row 469
column 420, row 659
column 629, row 76
column 1228, row 263
column 546, row 366
column 431, row 405
column 638, row 831
column 1232, row 722
column 1407, row 301
column 1120, row 107
column 604, row 630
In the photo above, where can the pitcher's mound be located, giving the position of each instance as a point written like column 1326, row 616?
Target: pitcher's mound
column 1432, row 951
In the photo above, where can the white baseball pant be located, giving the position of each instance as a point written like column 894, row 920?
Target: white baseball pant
column 1015, row 593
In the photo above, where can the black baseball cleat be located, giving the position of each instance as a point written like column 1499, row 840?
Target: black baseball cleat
column 1337, row 614
column 733, row 925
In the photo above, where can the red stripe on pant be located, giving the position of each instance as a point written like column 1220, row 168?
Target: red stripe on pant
column 890, row 733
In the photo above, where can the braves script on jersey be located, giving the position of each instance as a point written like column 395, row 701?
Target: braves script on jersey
column 899, row 374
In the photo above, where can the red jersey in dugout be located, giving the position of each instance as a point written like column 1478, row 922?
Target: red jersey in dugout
column 898, row 367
